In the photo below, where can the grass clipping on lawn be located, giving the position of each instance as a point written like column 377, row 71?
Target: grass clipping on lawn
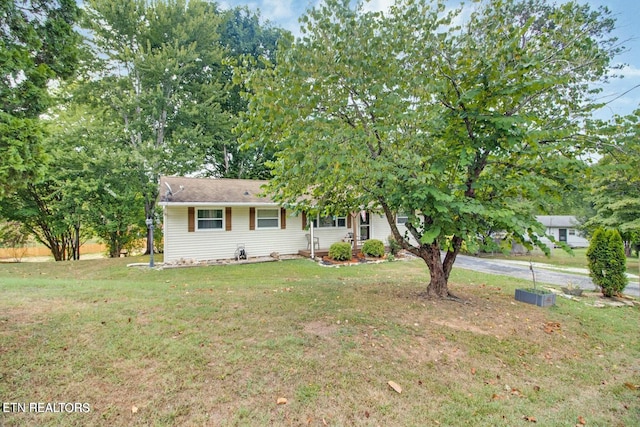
column 291, row 343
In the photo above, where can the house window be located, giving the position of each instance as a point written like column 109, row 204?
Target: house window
column 402, row 218
column 572, row 232
column 268, row 218
column 330, row 221
column 210, row 219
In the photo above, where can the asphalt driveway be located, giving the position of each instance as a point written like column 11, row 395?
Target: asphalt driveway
column 545, row 273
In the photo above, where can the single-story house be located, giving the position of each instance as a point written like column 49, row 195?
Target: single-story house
column 208, row 219
column 563, row 228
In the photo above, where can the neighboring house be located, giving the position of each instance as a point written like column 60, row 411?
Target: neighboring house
column 563, row 228
column 206, row 219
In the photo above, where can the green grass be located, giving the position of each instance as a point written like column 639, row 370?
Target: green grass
column 561, row 258
column 219, row 345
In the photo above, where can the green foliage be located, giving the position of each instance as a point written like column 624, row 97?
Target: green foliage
column 607, row 262
column 616, row 279
column 13, row 235
column 597, row 254
column 340, row 251
column 166, row 108
column 373, row 247
column 37, row 46
column 615, row 183
column 477, row 143
column 394, row 246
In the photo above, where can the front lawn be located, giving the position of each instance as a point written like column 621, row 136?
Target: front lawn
column 221, row 345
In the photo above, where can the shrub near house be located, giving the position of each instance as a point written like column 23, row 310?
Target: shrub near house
column 340, row 251
column 373, row 248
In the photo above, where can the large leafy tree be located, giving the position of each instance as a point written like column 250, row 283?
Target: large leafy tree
column 37, row 45
column 462, row 123
column 249, row 43
column 615, row 186
column 161, row 71
column 102, row 182
column 48, row 207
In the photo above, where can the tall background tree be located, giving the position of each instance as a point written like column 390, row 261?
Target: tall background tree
column 461, row 127
column 154, row 95
column 615, row 184
column 164, row 69
column 250, row 44
column 38, row 45
column 160, row 67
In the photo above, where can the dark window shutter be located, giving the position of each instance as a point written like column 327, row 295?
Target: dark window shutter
column 304, row 221
column 252, row 218
column 191, row 219
column 348, row 220
column 283, row 218
column 227, row 219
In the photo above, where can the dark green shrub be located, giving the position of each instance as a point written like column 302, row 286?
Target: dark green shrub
column 607, row 262
column 616, row 277
column 373, row 248
column 394, row 246
column 596, row 256
column 340, row 251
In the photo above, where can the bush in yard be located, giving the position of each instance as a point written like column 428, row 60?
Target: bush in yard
column 394, row 246
column 596, row 256
column 607, row 262
column 340, row 251
column 373, row 247
column 616, row 277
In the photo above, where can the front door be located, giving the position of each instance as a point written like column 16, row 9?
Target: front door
column 562, row 234
column 365, row 226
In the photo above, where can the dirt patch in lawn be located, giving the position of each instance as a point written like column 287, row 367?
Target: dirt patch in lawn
column 320, row 329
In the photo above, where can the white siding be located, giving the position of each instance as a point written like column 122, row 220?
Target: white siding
column 203, row 245
column 381, row 230
column 575, row 241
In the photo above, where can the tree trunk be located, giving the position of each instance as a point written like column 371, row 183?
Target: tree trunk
column 75, row 245
column 439, row 270
column 439, row 277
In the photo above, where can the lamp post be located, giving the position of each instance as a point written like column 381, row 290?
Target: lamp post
column 149, row 222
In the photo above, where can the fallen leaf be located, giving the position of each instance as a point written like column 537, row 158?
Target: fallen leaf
column 631, row 386
column 134, row 409
column 582, row 421
column 530, row 419
column 536, row 388
column 551, row 327
column 516, row 392
column 496, row 397
column 473, row 371
column 281, row 401
column 395, row 386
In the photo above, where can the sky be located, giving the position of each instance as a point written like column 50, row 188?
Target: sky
column 622, row 95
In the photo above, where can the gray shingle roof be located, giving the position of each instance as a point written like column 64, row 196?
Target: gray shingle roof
column 556, row 221
column 181, row 190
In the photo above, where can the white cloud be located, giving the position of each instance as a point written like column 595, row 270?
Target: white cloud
column 630, row 71
column 378, row 5
column 276, row 10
